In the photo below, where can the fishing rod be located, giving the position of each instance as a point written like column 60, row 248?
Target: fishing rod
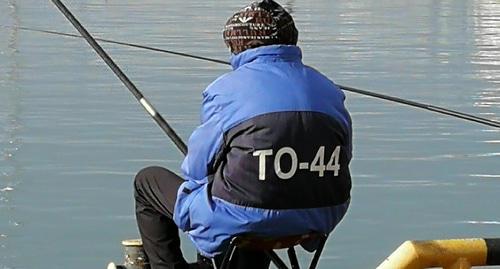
column 126, row 81
column 437, row 109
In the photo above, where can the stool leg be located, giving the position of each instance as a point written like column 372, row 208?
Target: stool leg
column 293, row 258
column 227, row 257
column 317, row 254
column 276, row 260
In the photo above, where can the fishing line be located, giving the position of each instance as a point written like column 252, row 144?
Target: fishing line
column 126, row 81
column 436, row 109
column 138, row 46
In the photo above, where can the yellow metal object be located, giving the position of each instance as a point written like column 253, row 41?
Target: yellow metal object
column 461, row 263
column 448, row 254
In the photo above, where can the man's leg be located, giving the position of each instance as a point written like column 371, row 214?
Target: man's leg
column 155, row 196
column 250, row 259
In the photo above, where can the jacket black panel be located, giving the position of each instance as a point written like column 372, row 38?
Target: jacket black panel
column 236, row 178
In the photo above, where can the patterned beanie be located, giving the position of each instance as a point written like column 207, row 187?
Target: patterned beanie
column 259, row 24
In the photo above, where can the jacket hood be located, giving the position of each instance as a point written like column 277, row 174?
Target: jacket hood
column 269, row 53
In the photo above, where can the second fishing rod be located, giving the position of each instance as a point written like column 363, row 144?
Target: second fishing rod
column 429, row 107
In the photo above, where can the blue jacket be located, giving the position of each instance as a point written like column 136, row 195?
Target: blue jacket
column 271, row 154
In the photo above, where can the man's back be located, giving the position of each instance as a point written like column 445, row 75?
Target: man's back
column 280, row 145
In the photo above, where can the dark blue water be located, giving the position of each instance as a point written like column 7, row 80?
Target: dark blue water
column 72, row 137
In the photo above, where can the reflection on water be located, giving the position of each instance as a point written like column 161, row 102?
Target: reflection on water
column 9, row 139
column 289, row 6
column 486, row 60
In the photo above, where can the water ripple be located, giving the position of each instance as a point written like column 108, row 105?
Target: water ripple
column 6, row 189
column 480, row 222
column 488, row 176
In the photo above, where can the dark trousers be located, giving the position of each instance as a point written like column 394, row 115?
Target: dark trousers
column 155, row 196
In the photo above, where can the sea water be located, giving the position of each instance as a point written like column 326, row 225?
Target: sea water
column 72, row 137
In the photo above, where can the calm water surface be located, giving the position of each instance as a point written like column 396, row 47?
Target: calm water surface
column 72, row 137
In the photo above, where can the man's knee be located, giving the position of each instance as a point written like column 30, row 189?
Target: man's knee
column 145, row 176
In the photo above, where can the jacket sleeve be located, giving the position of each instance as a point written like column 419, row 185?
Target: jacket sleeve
column 204, row 142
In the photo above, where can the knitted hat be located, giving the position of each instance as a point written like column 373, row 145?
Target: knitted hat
column 259, row 24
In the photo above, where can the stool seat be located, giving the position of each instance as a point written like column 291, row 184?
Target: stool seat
column 269, row 244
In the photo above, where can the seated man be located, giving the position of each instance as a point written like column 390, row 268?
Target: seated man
column 270, row 157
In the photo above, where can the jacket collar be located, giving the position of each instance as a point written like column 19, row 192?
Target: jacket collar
column 269, row 53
